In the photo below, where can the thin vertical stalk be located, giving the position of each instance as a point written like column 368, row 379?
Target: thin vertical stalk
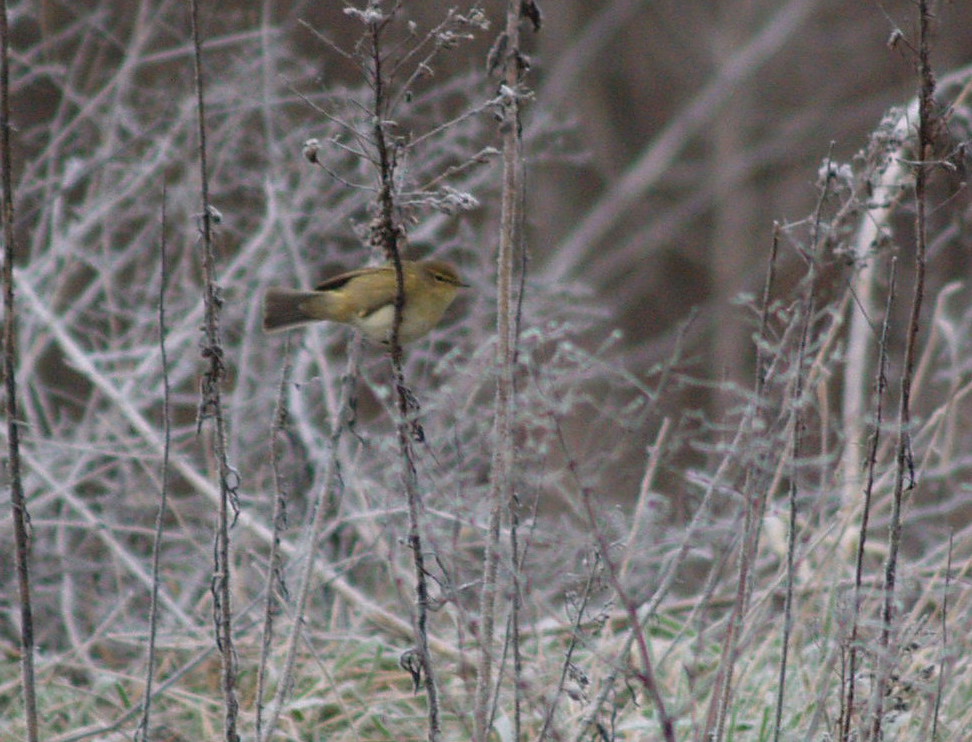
column 572, row 644
column 211, row 407
column 501, row 475
column 941, row 670
column 795, row 449
column 881, row 385
column 809, row 309
column 274, row 561
column 142, row 731
column 18, row 503
column 904, row 455
column 646, row 675
column 267, row 720
column 386, row 234
column 756, row 490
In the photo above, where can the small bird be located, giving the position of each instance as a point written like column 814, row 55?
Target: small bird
column 365, row 299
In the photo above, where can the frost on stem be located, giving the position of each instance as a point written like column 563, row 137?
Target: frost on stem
column 370, row 16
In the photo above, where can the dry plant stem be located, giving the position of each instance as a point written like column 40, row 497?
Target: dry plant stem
column 880, row 387
column 501, row 474
column 386, row 233
column 211, row 407
column 274, row 561
column 646, row 676
column 798, row 401
column 513, row 634
column 268, row 722
column 18, row 504
column 516, row 558
column 752, row 486
column 904, row 457
column 941, row 669
column 702, row 512
column 654, row 458
column 571, row 646
column 142, row 731
column 768, row 284
column 795, row 450
column 756, row 491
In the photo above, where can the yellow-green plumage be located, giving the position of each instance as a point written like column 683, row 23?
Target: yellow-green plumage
column 365, row 299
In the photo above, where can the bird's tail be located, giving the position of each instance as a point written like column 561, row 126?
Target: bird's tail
column 284, row 309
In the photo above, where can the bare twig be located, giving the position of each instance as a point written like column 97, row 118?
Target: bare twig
column 942, row 667
column 904, row 455
column 18, row 503
column 275, row 580
column 798, row 402
column 647, row 675
column 211, row 407
column 575, row 637
column 268, row 721
column 388, row 235
column 501, row 475
column 880, row 387
column 142, row 733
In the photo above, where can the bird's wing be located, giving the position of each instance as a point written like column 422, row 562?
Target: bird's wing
column 369, row 295
column 336, row 282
